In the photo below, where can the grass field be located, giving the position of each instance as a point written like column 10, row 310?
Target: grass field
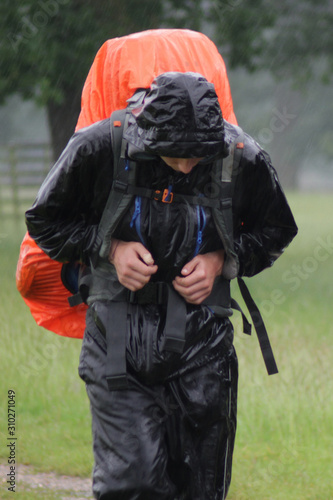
column 285, row 422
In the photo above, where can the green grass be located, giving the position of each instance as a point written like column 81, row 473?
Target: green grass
column 53, row 420
column 25, row 492
column 35, row 494
column 285, row 422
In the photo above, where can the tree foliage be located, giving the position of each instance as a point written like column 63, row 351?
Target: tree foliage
column 300, row 43
column 47, row 46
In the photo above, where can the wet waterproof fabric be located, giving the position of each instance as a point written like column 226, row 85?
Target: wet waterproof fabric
column 121, row 66
column 158, row 438
column 125, row 64
column 170, row 433
column 180, row 117
column 35, row 278
column 38, row 279
column 263, row 222
column 171, row 440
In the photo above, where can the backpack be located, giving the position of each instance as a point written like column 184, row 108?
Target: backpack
column 121, row 66
column 51, row 290
column 39, row 281
column 123, row 189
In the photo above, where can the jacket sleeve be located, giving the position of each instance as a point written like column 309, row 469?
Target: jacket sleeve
column 65, row 215
column 263, row 222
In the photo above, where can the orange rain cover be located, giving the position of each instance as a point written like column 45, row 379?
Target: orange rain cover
column 38, row 279
column 121, row 66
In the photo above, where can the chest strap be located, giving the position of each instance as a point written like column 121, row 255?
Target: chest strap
column 166, row 196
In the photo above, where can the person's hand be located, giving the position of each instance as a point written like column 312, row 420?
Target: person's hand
column 198, row 276
column 133, row 263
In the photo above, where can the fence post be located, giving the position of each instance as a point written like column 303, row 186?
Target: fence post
column 2, row 211
column 22, row 169
column 13, row 174
column 47, row 160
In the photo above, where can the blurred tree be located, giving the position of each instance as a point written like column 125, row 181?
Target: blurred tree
column 47, row 46
column 292, row 38
column 301, row 43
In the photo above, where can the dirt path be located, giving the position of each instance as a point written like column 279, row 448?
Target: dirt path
column 70, row 488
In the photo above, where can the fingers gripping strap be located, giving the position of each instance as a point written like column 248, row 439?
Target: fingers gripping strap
column 260, row 328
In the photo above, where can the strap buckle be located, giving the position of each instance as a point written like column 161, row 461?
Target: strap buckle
column 117, row 382
column 165, row 197
column 151, row 293
column 119, row 186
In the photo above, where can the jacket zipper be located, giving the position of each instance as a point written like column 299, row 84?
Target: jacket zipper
column 136, row 219
column 201, row 218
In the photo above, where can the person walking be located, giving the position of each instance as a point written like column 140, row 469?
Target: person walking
column 157, row 356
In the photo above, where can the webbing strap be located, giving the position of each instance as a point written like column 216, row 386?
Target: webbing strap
column 260, row 328
column 120, row 197
column 111, row 319
column 83, row 286
column 124, row 172
column 175, row 323
column 117, row 202
column 158, row 195
column 116, row 372
column 247, row 327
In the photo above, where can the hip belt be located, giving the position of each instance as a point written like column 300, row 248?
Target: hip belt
column 110, row 300
column 103, row 291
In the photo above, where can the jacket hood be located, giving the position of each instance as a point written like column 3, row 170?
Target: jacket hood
column 179, row 117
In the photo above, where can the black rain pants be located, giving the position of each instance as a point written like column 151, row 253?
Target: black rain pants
column 170, row 440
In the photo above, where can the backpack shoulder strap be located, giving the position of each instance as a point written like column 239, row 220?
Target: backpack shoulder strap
column 124, row 172
column 224, row 174
column 232, row 161
column 117, row 126
column 229, row 174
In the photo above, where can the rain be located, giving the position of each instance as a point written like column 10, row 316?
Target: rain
column 278, row 57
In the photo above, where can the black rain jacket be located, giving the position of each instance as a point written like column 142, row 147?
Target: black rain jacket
column 65, row 216
column 64, row 222
column 179, row 116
